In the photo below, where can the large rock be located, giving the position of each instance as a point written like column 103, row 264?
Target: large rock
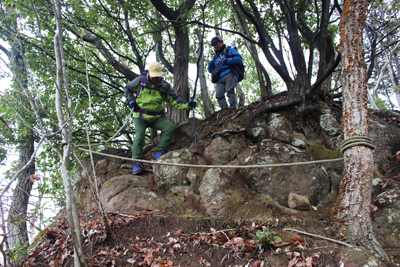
column 298, row 202
column 330, row 125
column 170, row 175
column 278, row 182
column 279, row 128
column 129, row 193
column 222, row 150
column 386, row 139
column 356, row 257
column 221, row 193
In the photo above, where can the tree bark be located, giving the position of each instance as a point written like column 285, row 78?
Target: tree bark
column 324, row 43
column 17, row 228
column 202, row 76
column 17, row 217
column 90, row 38
column 240, row 94
column 61, row 102
column 263, row 77
column 351, row 213
column 181, row 62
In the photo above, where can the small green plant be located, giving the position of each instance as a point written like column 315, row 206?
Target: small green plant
column 266, row 238
column 17, row 255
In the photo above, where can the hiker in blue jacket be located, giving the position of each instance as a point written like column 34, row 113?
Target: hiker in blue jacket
column 145, row 96
column 226, row 82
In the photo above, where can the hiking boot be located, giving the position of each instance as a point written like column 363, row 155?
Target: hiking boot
column 137, row 168
column 158, row 155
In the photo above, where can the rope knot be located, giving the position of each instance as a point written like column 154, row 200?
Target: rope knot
column 356, row 141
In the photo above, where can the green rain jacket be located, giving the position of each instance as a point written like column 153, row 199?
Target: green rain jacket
column 151, row 100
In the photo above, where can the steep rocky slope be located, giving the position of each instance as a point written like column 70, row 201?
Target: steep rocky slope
column 221, row 180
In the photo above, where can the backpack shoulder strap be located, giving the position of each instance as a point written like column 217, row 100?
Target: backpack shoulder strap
column 143, row 82
column 226, row 51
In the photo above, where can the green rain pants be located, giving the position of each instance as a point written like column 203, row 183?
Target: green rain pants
column 166, row 127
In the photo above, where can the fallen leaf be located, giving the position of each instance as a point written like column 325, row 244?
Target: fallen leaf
column 292, row 262
column 201, row 258
column 297, row 238
column 237, row 240
column 255, row 264
column 309, row 261
column 374, row 208
column 132, row 260
column 35, row 254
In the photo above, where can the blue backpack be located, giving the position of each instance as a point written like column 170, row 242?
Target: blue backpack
column 239, row 69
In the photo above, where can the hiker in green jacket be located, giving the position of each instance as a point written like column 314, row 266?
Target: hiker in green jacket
column 145, row 95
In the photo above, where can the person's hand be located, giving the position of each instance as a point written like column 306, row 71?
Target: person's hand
column 192, row 103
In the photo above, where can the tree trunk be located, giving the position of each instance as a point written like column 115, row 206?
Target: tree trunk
column 64, row 101
column 351, row 213
column 16, row 225
column 205, row 98
column 181, row 65
column 17, row 228
column 263, row 76
column 397, row 68
column 240, row 94
column 325, row 46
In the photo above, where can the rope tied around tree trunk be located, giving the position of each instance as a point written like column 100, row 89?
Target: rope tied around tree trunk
column 356, row 141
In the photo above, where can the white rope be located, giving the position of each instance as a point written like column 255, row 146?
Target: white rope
column 216, row 166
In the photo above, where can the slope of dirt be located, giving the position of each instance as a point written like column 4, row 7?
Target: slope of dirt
column 153, row 238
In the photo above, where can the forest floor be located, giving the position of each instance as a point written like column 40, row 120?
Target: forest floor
column 153, row 238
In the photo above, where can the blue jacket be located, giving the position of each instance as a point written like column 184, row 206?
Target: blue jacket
column 235, row 58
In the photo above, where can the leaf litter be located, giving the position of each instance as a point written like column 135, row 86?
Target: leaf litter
column 151, row 238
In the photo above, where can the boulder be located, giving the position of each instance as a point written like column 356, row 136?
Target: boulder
column 129, row 193
column 279, row 128
column 278, row 182
column 170, row 175
column 298, row 202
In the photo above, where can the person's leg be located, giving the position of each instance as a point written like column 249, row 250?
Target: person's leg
column 138, row 143
column 167, row 128
column 220, row 93
column 230, row 85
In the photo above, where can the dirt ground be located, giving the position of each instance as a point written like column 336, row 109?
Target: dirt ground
column 153, row 238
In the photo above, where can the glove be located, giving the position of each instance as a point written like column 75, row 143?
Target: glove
column 134, row 106
column 225, row 61
column 192, row 104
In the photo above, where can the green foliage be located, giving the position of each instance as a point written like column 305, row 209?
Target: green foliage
column 396, row 89
column 380, row 103
column 17, row 254
column 266, row 238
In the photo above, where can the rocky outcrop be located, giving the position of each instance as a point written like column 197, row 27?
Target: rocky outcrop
column 216, row 180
